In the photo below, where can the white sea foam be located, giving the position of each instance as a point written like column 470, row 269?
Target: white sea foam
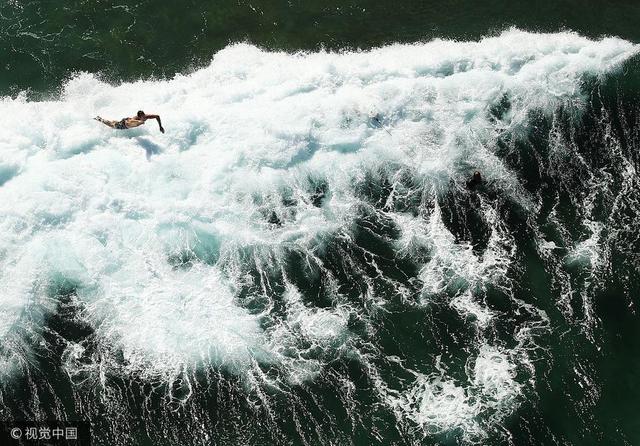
column 104, row 214
column 439, row 404
column 467, row 306
column 453, row 266
column 306, row 332
column 588, row 250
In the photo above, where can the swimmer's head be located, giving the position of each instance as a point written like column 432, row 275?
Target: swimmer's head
column 140, row 114
column 476, row 176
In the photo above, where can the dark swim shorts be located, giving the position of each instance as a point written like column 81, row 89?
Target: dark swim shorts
column 121, row 125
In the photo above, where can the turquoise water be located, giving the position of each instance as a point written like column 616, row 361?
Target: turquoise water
column 299, row 259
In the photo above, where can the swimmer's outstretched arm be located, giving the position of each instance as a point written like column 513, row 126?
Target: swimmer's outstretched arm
column 106, row 122
column 157, row 117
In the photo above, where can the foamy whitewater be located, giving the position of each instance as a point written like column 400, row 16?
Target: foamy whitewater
column 186, row 252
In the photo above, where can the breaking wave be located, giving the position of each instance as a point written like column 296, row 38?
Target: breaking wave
column 301, row 243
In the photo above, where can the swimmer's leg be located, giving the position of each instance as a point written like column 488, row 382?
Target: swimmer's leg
column 106, row 122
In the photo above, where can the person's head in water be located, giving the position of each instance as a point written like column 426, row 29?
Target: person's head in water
column 140, row 114
column 476, row 180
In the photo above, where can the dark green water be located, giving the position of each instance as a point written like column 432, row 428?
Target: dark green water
column 44, row 42
column 582, row 385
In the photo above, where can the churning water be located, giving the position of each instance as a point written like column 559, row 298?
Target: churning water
column 298, row 259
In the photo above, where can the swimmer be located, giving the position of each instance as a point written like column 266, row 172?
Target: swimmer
column 475, row 181
column 129, row 123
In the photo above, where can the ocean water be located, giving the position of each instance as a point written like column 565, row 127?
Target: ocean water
column 298, row 259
